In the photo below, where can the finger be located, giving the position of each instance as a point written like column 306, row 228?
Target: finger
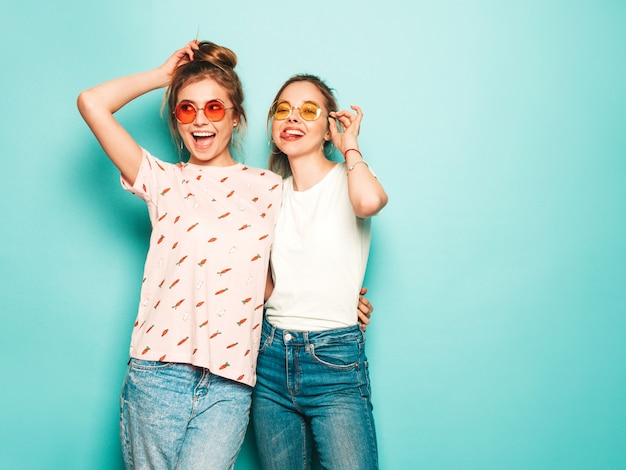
column 364, row 319
column 344, row 121
column 189, row 52
column 336, row 128
column 344, row 117
column 358, row 118
column 182, row 55
column 365, row 307
column 332, row 124
column 191, row 47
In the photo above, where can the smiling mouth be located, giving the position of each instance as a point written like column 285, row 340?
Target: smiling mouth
column 292, row 133
column 202, row 135
column 203, row 139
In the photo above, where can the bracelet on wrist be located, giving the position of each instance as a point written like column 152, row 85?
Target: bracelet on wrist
column 353, row 150
column 351, row 167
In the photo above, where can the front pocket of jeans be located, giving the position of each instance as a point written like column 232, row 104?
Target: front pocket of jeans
column 140, row 365
column 265, row 341
column 343, row 356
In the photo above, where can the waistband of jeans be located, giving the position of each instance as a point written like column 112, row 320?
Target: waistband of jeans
column 302, row 337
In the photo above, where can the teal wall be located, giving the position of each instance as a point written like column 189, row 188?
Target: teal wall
column 498, row 268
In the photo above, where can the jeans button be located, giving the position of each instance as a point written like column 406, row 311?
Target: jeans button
column 288, row 337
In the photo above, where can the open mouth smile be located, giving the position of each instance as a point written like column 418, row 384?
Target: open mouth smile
column 291, row 134
column 203, row 139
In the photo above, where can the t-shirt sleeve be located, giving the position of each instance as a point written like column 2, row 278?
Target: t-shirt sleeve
column 146, row 184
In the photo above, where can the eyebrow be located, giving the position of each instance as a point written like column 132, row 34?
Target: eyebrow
column 207, row 101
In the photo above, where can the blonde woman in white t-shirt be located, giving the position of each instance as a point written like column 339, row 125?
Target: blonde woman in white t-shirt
column 312, row 380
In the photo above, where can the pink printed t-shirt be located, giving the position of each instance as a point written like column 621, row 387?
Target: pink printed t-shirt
column 204, row 278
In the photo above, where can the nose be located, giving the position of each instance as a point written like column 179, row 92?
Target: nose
column 292, row 114
column 201, row 117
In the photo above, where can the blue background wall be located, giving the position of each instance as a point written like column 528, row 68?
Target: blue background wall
column 497, row 270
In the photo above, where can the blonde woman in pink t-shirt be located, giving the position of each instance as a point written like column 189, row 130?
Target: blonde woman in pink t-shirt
column 186, row 395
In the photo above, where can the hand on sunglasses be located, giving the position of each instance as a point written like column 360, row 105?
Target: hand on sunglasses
column 345, row 134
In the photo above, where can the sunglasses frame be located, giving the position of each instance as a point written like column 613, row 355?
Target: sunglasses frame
column 291, row 108
column 204, row 108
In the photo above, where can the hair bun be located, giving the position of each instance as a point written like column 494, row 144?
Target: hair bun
column 215, row 54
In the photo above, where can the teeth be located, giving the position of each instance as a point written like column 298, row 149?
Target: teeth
column 293, row 132
column 203, row 134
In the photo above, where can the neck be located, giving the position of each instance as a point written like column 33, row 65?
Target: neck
column 219, row 160
column 309, row 170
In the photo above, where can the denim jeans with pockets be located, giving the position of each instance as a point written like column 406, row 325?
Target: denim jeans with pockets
column 313, row 389
column 178, row 416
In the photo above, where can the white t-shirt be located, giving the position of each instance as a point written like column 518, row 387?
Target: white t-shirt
column 319, row 257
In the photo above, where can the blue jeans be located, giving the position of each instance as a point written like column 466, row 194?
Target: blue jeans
column 181, row 416
column 313, row 389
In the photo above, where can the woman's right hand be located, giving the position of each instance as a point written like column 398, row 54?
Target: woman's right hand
column 364, row 309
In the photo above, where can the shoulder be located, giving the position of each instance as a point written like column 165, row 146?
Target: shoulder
column 262, row 178
column 155, row 163
column 338, row 176
column 261, row 172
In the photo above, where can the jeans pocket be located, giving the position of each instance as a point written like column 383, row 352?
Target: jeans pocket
column 266, row 341
column 343, row 355
column 141, row 365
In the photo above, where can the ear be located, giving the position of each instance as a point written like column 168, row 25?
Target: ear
column 329, row 129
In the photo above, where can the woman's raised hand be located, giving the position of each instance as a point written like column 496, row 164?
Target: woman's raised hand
column 180, row 57
column 345, row 134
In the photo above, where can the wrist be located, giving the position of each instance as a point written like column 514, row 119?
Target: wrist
column 160, row 77
column 351, row 167
column 354, row 150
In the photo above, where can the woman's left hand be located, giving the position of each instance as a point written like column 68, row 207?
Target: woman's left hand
column 180, row 57
column 345, row 137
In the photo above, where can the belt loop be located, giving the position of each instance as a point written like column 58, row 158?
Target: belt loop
column 308, row 346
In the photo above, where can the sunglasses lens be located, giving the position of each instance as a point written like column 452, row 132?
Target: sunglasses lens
column 185, row 112
column 282, row 110
column 309, row 111
column 214, row 110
